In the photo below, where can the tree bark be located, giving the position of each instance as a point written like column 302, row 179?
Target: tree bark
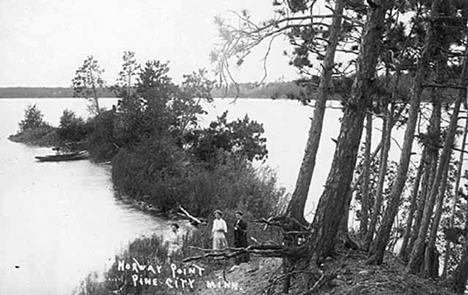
column 430, row 259
column 431, row 155
column 95, row 94
column 412, row 209
column 444, row 164
column 366, row 178
column 343, row 228
column 386, row 139
column 455, row 198
column 298, row 200
column 378, row 247
column 438, row 186
column 296, row 206
column 345, row 220
column 419, row 236
column 332, row 203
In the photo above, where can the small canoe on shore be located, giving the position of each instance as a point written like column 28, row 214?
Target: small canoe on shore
column 64, row 157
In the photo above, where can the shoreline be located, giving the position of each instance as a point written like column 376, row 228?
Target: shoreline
column 47, row 137
column 41, row 137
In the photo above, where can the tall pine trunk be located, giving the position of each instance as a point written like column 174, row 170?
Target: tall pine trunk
column 345, row 220
column 366, row 178
column 429, row 262
column 440, row 180
column 419, row 236
column 412, row 209
column 386, row 139
column 296, row 206
column 430, row 159
column 380, row 243
column 455, row 198
column 298, row 200
column 333, row 202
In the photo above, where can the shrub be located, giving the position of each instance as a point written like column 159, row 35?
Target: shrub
column 72, row 128
column 33, row 118
column 102, row 144
column 155, row 169
column 163, row 174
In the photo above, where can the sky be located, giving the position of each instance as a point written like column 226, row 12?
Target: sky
column 43, row 42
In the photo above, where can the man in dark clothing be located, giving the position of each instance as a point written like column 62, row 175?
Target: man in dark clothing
column 240, row 237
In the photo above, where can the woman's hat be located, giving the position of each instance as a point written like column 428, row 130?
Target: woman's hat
column 239, row 212
column 219, row 212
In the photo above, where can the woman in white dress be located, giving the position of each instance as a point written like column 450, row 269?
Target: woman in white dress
column 219, row 231
column 175, row 242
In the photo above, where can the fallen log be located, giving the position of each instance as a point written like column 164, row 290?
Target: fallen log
column 193, row 219
column 261, row 250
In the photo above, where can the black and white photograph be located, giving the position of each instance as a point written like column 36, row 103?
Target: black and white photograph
column 233, row 147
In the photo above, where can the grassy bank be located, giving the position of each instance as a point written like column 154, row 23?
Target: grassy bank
column 132, row 270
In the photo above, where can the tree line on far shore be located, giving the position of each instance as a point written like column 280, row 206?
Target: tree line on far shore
column 274, row 90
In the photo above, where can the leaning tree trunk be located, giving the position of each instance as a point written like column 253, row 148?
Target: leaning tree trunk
column 295, row 209
column 366, row 178
column 332, row 203
column 431, row 247
column 419, row 236
column 431, row 256
column 412, row 209
column 444, row 163
column 380, row 243
column 296, row 206
column 386, row 139
column 455, row 198
column 343, row 230
column 431, row 153
column 438, row 187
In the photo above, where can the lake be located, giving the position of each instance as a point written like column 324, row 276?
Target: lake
column 60, row 221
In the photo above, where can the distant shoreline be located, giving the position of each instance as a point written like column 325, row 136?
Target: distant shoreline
column 243, row 90
column 44, row 92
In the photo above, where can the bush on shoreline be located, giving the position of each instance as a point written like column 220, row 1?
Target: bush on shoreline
column 163, row 175
column 71, row 134
column 73, row 128
column 33, row 119
column 44, row 136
